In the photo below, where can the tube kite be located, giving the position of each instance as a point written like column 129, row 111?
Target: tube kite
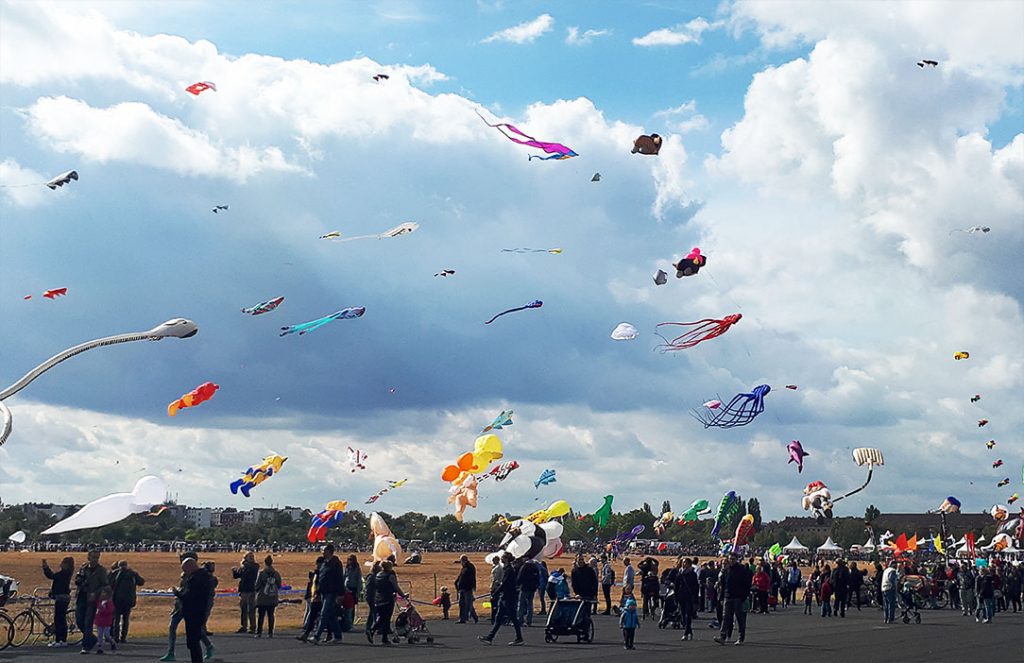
column 344, row 314
column 534, row 304
column 326, row 519
column 740, row 411
column 727, row 510
column 148, row 491
column 264, row 307
column 200, row 394
column 556, row 150
column 501, row 471
column 701, row 330
column 254, row 476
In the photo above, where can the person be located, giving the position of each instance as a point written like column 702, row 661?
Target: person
column 268, row 586
column 210, row 568
column 506, row 599
column 558, row 586
column 649, row 588
column 628, row 580
column 584, row 580
column 808, row 598
column 445, row 601
column 353, row 586
column 542, row 586
column 465, row 586
column 370, row 592
column 855, row 583
column 329, row 584
column 313, row 603
column 607, row 582
column 89, row 580
column 890, row 581
column 736, row 581
column 124, row 580
column 686, row 589
column 825, row 592
column 985, row 589
column 497, row 573
column 630, row 622
column 841, row 587
column 60, row 592
column 526, row 582
column 965, row 578
column 246, row 573
column 104, row 620
column 793, row 581
column 762, row 583
column 195, row 597
column 386, row 589
column 1011, row 588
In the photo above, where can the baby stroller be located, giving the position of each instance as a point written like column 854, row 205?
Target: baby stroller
column 410, row 625
column 570, row 617
column 911, row 587
column 671, row 612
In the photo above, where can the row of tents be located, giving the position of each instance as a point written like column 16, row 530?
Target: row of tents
column 831, row 548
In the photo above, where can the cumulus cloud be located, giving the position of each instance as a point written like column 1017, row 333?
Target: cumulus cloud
column 687, row 33
column 524, row 33
column 684, row 118
column 574, row 37
column 22, row 186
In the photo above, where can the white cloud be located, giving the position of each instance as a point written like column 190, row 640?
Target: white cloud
column 688, row 33
column 684, row 118
column 524, row 33
column 22, row 186
column 574, row 38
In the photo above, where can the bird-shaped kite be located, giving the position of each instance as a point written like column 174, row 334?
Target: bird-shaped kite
column 740, row 411
column 217, row 209
column 534, row 304
column 982, row 423
column 797, row 455
column 927, row 63
column 399, row 230
column 998, row 463
column 257, row 474
column 961, row 355
column 1004, row 482
column 264, row 307
column 148, row 492
column 500, row 421
column 546, row 477
column 381, row 77
column 556, row 150
column 690, row 264
column 56, row 292
column 200, row 394
column 700, row 331
column 647, row 145
column 344, row 314
column 62, row 179
column 356, row 459
column 321, row 522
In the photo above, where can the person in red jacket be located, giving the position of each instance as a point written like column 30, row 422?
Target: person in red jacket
column 762, row 583
column 826, row 592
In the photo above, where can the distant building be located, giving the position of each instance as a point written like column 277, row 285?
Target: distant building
column 231, row 518
column 199, row 517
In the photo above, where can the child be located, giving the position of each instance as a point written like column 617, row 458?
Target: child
column 557, row 580
column 104, row 620
column 808, row 598
column 445, row 601
column 630, row 622
column 826, row 596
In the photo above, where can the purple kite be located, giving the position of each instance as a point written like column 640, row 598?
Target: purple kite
column 797, row 454
column 534, row 304
column 556, row 150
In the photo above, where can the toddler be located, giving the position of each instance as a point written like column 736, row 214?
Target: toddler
column 446, row 601
column 104, row 620
column 808, row 598
column 630, row 622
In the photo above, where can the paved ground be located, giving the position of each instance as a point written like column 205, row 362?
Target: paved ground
column 786, row 636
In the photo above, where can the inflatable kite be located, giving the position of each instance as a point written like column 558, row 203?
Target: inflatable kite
column 380, row 493
column 697, row 508
column 727, row 510
column 344, row 314
column 500, row 421
column 256, row 475
column 864, row 456
column 797, row 455
column 556, row 509
column 626, row 537
column 148, row 491
column 660, row 277
column 217, row 209
column 818, row 498
column 624, row 332
column 950, row 505
column 690, row 264
column 744, row 532
column 397, row 231
column 647, row 145
column 326, row 519
column 463, row 495
column 740, row 411
column 662, row 522
column 527, row 540
column 202, row 86
column 713, row 404
column 356, row 459
column 56, row 292
column 200, row 394
column 445, row 273
column 1004, row 482
column 461, row 476
column 554, row 251
column 384, row 542
column 998, row 463
column 596, row 177
column 929, row 63
column 500, row 472
column 534, row 304
column 556, row 150
column 546, row 477
column 990, row 444
column 975, row 398
column 999, row 512
column 62, row 179
column 17, row 537
column 972, row 230
column 264, row 307
column 982, row 423
column 602, row 515
column 961, row 355
column 702, row 330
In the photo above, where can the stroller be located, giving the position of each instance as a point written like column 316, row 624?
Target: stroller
column 570, row 617
column 410, row 625
column 671, row 612
column 911, row 587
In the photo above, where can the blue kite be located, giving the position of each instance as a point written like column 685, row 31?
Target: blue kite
column 313, row 325
column 740, row 411
column 546, row 477
column 500, row 421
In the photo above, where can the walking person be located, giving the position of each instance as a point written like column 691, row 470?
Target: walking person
column 195, row 597
column 736, row 580
column 761, row 584
column 526, row 582
column 104, row 620
column 246, row 573
column 628, row 581
column 370, row 592
column 268, row 586
column 89, row 580
column 841, row 587
column 497, row 572
column 542, row 586
column 465, row 587
column 965, row 578
column 687, row 590
column 506, row 599
column 329, row 585
column 313, row 603
column 60, row 592
column 985, row 590
column 856, row 582
column 353, row 578
column 386, row 590
column 889, row 584
column 607, row 582
column 124, row 581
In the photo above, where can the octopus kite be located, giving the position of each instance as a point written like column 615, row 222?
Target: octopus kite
column 534, row 304
column 200, row 394
column 313, row 325
column 740, row 411
column 556, row 150
column 701, row 330
column 264, row 307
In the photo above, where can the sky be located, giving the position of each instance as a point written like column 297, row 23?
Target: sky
column 823, row 173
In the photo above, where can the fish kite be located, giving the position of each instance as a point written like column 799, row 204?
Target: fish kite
column 556, row 150
column 690, row 264
column 647, row 145
column 380, row 493
column 264, row 307
column 982, row 423
column 702, row 330
column 355, row 459
column 727, row 510
column 975, row 398
column 596, row 177
column 334, row 234
column 399, row 230
column 217, row 209
column 200, row 394
column 555, row 251
column 344, row 314
column 534, row 304
column 624, row 332
column 500, row 421
column 321, row 522
column 797, row 455
column 961, row 355
column 202, row 86
column 256, row 475
column 740, row 411
column 660, row 277
column 928, row 63
column 546, row 477
column 445, row 273
column 62, row 179
column 998, row 463
column 697, row 508
column 500, row 472
column 53, row 294
column 381, row 77
column 148, row 492
column 972, row 230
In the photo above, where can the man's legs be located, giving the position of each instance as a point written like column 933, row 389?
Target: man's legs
column 326, row 616
column 741, row 619
column 727, row 618
column 193, row 634
column 607, row 589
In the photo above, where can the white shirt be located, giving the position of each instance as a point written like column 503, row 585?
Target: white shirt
column 889, row 577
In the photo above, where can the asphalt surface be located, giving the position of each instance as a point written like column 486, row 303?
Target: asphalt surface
column 788, row 636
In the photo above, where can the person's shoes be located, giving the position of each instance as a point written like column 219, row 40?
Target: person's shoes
column 99, row 651
column 484, row 639
column 166, row 657
column 113, row 647
column 270, row 635
column 516, row 643
column 209, row 654
column 476, row 620
column 302, row 638
column 252, row 632
column 258, row 635
column 738, row 642
column 369, row 637
column 313, row 642
column 625, row 646
column 460, row 622
column 242, row 630
column 606, row 612
column 719, row 639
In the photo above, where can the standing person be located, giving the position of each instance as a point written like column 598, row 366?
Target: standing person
column 628, row 580
column 986, row 595
column 386, row 589
column 445, row 601
column 330, row 583
column 855, row 583
column 890, row 581
column 793, row 581
column 268, row 586
column 176, row 614
column 89, row 580
column 465, row 587
column 104, row 620
column 687, row 590
column 353, row 585
column 313, row 603
column 542, row 586
column 736, row 581
column 246, row 573
column 649, row 588
column 630, row 622
column 607, row 582
column 825, row 592
column 841, row 587
column 60, row 592
column 965, row 578
column 506, row 599
column 195, row 597
column 124, row 580
column 497, row 573
column 370, row 592
column 526, row 582
column 876, row 582
column 761, row 584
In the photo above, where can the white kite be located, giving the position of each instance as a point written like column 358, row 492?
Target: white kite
column 148, row 492
column 397, row 231
column 17, row 537
column 356, row 459
column 625, row 332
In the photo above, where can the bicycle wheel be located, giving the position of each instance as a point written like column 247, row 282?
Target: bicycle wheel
column 23, row 623
column 942, row 600
column 6, row 631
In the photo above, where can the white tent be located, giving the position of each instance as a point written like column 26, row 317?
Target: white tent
column 870, row 545
column 795, row 546
column 829, row 547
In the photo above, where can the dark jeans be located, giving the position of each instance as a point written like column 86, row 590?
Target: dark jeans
column 194, row 636
column 762, row 602
column 506, row 612
column 329, row 618
column 734, row 608
column 541, row 593
column 840, row 605
column 627, row 636
column 371, row 617
column 382, row 623
column 526, row 606
column 466, row 609
column 122, row 615
column 60, row 619
column 688, row 610
column 85, row 613
column 607, row 590
column 268, row 612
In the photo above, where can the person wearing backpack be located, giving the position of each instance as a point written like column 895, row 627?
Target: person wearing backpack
column 268, row 587
column 607, row 582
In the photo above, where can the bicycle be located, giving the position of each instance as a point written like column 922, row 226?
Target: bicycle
column 6, row 630
column 30, row 624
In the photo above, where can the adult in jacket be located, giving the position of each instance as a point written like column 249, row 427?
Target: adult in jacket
column 736, row 580
column 245, row 573
column 507, row 601
column 89, row 580
column 194, row 596
column 386, row 591
column 329, row 586
column 465, row 586
column 268, row 589
column 60, row 592
column 123, row 581
column 527, row 580
column 687, row 590
column 841, row 587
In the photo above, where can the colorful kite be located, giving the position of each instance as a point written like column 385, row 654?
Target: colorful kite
column 148, row 492
column 1013, row 498
column 727, row 510
column 264, row 307
column 663, row 521
column 697, row 508
column 399, row 230
column 555, row 251
column 690, row 264
column 461, row 476
column 998, row 463
column 546, row 477
column 202, row 86
column 500, row 421
column 797, row 455
column 624, row 332
column 864, row 456
column 602, row 515
column 713, row 404
column 53, row 294
column 702, row 330
column 500, row 472
column 647, row 145
column 356, row 458
column 256, row 475
column 975, row 398
column 961, row 355
column 385, row 544
column 818, row 498
column 326, row 519
column 383, row 491
column 744, row 532
column 556, row 150
column 534, row 304
column 740, row 411
column 990, row 444
column 950, row 505
column 1004, row 482
column 200, row 394
column 344, row 314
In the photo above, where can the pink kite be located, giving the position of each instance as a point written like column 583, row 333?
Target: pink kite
column 556, row 150
column 702, row 330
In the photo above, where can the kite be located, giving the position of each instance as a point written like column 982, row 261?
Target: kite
column 625, row 537
column 534, row 304
column 463, row 494
column 663, row 521
column 647, row 144
column 556, row 509
column 217, row 209
column 982, row 422
column 384, row 542
column 929, row 63
column 556, row 150
column 555, row 251
column 975, row 398
column 254, row 476
column 160, row 510
column 999, row 513
column 321, row 522
column 528, row 540
column 445, row 273
column 818, row 498
column 740, row 411
column 380, row 493
column 972, row 230
column 62, row 179
column 500, row 472
column 500, row 421
column 399, row 230
column 344, row 314
column 602, row 515
column 797, row 455
column 596, row 177
column 660, row 277
column 1013, row 498
column 200, row 394
column 713, row 405
column 791, row 386
column 697, row 508
column 56, row 292
column 727, row 510
column 990, row 444
column 950, row 505
column 463, row 491
column 702, row 330
column 148, row 491
column 903, row 545
column 773, row 553
column 17, row 537
column 744, row 532
column 624, row 332
column 864, row 456
column 355, row 459
column 202, row 86
column 690, row 264
column 381, row 77
column 264, row 307
column 1004, row 482
column 961, row 355
column 546, row 477
column 998, row 463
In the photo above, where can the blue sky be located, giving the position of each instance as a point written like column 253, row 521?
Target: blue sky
column 808, row 156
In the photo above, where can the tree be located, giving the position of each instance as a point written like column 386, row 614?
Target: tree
column 754, row 509
column 871, row 513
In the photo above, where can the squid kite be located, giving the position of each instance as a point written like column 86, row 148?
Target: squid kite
column 356, row 459
column 647, row 145
column 546, row 477
column 555, row 251
column 740, row 411
column 702, row 330
column 344, row 314
column 256, row 475
column 534, row 304
column 383, row 491
column 321, row 522
column 556, row 150
column 727, row 510
column 797, row 455
column 200, row 394
column 264, row 307
column 500, row 421
column 202, row 86
column 399, row 230
column 690, row 264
